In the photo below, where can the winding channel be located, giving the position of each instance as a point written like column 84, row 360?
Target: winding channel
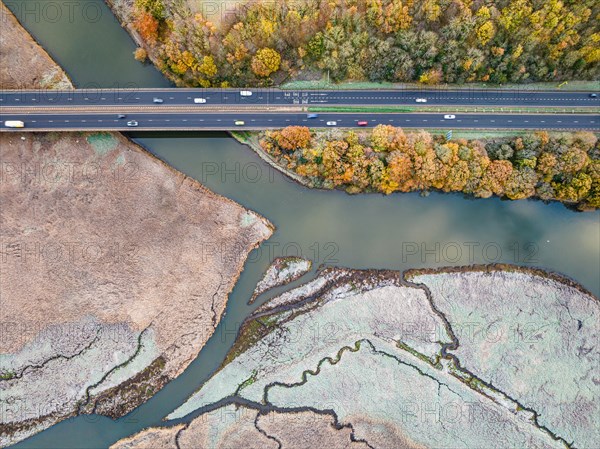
column 368, row 231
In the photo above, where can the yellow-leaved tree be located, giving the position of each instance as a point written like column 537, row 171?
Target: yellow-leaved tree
column 265, row 62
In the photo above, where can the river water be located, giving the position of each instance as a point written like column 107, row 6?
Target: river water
column 365, row 231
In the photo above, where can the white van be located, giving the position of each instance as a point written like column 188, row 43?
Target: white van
column 14, row 124
column 245, row 93
column 199, row 100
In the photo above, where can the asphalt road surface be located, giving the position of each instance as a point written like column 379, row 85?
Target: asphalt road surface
column 132, row 96
column 226, row 121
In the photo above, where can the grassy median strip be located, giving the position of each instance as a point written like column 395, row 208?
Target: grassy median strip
column 362, row 109
column 457, row 109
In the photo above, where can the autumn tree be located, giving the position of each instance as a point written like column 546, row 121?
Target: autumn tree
column 291, row 138
column 208, row 67
column 561, row 166
column 265, row 62
column 147, row 26
column 156, row 8
column 494, row 179
column 400, row 170
column 140, row 54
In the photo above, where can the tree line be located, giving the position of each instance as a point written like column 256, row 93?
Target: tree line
column 427, row 41
column 558, row 166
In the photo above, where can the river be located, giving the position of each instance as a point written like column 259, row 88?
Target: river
column 365, row 231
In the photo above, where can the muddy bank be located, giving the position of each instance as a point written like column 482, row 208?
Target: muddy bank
column 237, row 426
column 115, row 268
column 427, row 379
column 282, row 271
column 115, row 272
column 23, row 63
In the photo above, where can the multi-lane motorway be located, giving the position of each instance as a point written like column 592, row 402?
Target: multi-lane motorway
column 185, row 97
column 254, row 120
column 176, row 109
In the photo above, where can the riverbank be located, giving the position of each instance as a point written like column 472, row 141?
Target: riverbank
column 91, row 226
column 549, row 166
column 427, row 340
column 281, row 272
column 257, row 43
column 116, row 269
column 23, row 63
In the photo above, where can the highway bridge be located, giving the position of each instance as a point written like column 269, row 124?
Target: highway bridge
column 175, row 109
column 277, row 97
column 178, row 121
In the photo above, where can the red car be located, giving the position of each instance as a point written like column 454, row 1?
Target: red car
column 363, row 123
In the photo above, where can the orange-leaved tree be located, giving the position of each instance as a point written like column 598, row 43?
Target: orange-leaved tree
column 147, row 26
column 293, row 137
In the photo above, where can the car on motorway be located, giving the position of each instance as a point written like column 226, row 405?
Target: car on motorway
column 132, row 123
column 157, row 100
column 421, row 100
column 14, row 124
column 121, row 116
column 593, row 95
column 449, row 117
column 246, row 93
column 332, row 123
column 362, row 123
column 239, row 123
column 312, row 116
column 199, row 100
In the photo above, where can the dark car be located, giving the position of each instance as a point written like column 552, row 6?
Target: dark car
column 594, row 95
column 121, row 116
column 312, row 116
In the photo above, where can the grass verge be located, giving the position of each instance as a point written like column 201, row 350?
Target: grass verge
column 585, row 86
